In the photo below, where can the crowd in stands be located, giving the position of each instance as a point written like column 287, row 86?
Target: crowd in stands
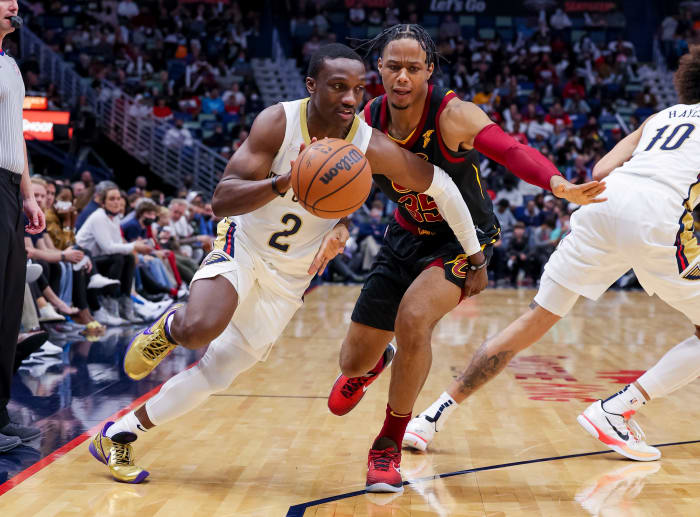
column 572, row 98
column 112, row 257
column 182, row 62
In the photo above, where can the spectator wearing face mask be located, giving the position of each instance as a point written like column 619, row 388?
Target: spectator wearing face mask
column 113, row 257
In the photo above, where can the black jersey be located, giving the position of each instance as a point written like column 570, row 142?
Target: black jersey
column 462, row 167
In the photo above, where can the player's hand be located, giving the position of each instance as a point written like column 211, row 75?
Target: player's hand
column 285, row 180
column 579, row 194
column 37, row 222
column 476, row 281
column 333, row 244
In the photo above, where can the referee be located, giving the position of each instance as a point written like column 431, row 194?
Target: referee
column 14, row 186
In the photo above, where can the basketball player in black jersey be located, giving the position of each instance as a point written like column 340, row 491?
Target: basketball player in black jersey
column 419, row 274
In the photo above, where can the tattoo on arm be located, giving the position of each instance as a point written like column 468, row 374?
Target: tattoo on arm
column 483, row 368
column 534, row 305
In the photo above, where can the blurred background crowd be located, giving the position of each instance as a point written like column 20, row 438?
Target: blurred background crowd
column 570, row 85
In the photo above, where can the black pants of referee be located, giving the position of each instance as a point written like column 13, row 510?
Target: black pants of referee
column 13, row 272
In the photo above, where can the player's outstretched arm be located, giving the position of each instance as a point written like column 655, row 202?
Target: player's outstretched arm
column 464, row 124
column 245, row 186
column 619, row 154
column 405, row 168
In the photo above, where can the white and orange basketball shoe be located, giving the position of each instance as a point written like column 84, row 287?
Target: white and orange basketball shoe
column 421, row 429
column 619, row 432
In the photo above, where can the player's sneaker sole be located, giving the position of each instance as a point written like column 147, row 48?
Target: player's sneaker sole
column 379, row 488
column 414, row 441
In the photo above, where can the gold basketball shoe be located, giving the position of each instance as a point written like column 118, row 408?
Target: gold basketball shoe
column 149, row 348
column 118, row 455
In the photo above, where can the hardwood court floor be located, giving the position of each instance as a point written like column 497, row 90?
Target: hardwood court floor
column 268, row 445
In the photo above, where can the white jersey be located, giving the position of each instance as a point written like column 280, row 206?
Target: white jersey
column 282, row 233
column 669, row 153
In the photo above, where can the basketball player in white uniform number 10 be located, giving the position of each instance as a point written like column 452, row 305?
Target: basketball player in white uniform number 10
column 267, row 250
column 653, row 185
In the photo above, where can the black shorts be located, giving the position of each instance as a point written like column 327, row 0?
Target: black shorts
column 402, row 257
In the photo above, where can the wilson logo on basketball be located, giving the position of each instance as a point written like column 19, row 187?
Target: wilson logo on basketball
column 345, row 164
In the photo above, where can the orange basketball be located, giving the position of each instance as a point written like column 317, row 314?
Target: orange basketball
column 331, row 178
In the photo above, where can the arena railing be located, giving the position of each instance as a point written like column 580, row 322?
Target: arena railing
column 141, row 137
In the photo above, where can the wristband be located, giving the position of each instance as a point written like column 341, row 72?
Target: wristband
column 274, row 187
column 477, row 267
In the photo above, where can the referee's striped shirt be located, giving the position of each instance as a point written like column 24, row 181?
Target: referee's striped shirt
column 11, row 125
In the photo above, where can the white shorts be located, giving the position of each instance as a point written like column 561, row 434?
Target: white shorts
column 267, row 299
column 635, row 229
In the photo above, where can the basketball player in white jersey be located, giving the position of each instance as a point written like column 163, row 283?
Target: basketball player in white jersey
column 267, row 251
column 653, row 185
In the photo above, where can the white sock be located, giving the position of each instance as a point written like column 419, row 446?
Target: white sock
column 675, row 369
column 129, row 423
column 627, row 399
column 440, row 410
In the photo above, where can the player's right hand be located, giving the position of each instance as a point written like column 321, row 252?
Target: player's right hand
column 580, row 194
column 476, row 281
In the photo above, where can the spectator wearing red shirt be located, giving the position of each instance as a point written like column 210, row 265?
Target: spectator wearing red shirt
column 519, row 132
column 161, row 110
column 556, row 114
column 574, row 86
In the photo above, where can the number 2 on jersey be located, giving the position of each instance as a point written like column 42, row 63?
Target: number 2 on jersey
column 669, row 144
column 286, row 219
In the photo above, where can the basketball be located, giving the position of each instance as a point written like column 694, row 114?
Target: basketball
column 331, row 178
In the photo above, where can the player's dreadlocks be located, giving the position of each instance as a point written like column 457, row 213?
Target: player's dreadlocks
column 403, row 31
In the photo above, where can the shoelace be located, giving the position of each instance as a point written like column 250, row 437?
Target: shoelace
column 635, row 430
column 122, row 453
column 156, row 348
column 352, row 385
column 382, row 459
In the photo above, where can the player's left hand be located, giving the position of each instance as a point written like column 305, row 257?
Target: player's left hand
column 333, row 244
column 580, row 194
column 37, row 222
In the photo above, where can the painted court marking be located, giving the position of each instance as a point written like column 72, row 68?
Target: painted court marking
column 298, row 509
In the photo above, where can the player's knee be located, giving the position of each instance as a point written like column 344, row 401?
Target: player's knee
column 413, row 330
column 219, row 380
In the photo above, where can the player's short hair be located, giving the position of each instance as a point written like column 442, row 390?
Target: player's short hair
column 330, row 51
column 403, row 31
column 687, row 77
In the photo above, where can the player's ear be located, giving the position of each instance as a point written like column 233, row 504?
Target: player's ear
column 431, row 68
column 379, row 64
column 310, row 85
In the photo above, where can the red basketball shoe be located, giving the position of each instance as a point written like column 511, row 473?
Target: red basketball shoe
column 384, row 470
column 347, row 392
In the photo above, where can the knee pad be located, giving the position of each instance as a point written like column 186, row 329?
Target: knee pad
column 225, row 359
